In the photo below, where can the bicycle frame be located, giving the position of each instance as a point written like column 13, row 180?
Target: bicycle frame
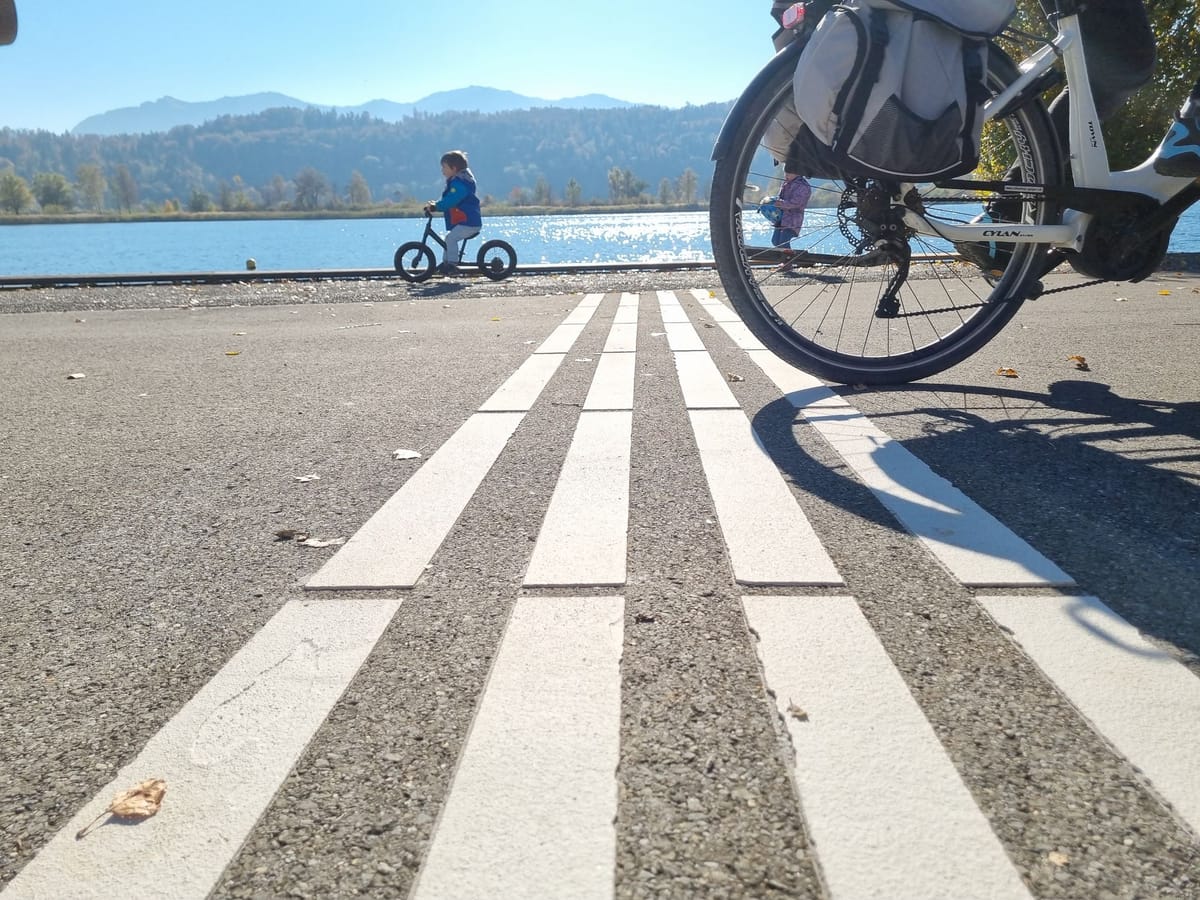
column 1087, row 153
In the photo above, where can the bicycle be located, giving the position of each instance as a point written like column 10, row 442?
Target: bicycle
column 891, row 282
column 415, row 261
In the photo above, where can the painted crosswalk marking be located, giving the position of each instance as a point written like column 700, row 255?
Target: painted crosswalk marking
column 1143, row 701
column 583, row 538
column 746, row 486
column 543, row 749
column 524, row 386
column 394, row 546
column 748, row 491
column 531, row 809
column 977, row 549
column 223, row 756
column 889, row 813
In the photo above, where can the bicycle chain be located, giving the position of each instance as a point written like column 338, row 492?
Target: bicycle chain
column 930, row 312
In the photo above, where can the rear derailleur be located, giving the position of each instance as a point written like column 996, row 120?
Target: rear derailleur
column 874, row 225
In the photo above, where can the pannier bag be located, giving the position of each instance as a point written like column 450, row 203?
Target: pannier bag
column 896, row 90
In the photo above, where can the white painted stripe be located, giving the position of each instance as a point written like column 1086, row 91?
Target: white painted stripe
column 584, row 535
column 769, row 538
column 714, row 307
column 531, row 809
column 681, row 336
column 622, row 338
column 703, row 385
column 627, row 310
column 742, row 336
column 612, row 385
column 524, row 386
column 394, row 546
column 1145, row 703
column 563, row 338
column 582, row 313
column 971, row 543
column 976, row 548
column 668, row 306
column 889, row 815
column 223, row 757
column 801, row 389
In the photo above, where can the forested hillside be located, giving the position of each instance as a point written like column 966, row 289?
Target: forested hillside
column 291, row 158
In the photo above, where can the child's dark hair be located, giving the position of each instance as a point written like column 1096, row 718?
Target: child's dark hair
column 455, row 159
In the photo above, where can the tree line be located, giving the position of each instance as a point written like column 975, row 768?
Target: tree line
column 292, row 159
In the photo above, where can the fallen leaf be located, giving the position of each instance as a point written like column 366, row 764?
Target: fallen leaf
column 796, row 712
column 1059, row 859
column 305, row 479
column 140, row 802
column 495, row 318
column 233, row 352
column 730, row 376
column 405, row 454
column 75, row 376
column 1164, row 293
column 1007, row 373
column 239, row 334
column 1080, row 363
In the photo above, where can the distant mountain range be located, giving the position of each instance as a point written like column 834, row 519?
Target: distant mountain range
column 167, row 112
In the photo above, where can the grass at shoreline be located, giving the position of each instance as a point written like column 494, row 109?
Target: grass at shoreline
column 492, row 210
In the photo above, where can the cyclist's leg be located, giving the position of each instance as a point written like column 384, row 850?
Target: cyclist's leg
column 454, row 241
column 1120, row 49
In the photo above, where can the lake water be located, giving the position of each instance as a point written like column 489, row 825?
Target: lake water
column 280, row 244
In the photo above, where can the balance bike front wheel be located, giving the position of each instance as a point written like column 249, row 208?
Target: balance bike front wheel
column 414, row 261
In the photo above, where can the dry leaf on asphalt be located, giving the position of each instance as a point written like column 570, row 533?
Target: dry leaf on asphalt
column 1007, row 372
column 140, row 802
column 75, row 376
column 1080, row 363
column 1059, row 859
column 730, row 376
column 405, row 454
column 796, row 712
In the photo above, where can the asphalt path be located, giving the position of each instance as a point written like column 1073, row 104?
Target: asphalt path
column 143, row 500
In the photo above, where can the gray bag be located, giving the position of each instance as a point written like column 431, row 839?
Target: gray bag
column 896, row 90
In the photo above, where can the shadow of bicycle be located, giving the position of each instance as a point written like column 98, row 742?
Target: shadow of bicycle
column 1108, row 487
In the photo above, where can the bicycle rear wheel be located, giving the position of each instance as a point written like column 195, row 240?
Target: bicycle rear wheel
column 817, row 304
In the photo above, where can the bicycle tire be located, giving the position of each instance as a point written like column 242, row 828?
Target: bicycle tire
column 497, row 259
column 414, row 261
column 819, row 308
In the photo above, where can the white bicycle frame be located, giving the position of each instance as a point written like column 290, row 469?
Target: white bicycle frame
column 1088, row 156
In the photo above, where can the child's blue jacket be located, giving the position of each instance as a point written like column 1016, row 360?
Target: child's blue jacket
column 459, row 203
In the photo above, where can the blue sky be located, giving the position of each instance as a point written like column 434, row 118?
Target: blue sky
column 75, row 58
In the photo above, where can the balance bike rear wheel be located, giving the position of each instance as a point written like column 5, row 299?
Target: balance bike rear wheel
column 497, row 260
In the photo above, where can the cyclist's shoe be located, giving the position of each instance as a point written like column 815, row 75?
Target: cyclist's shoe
column 449, row 270
column 1179, row 154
